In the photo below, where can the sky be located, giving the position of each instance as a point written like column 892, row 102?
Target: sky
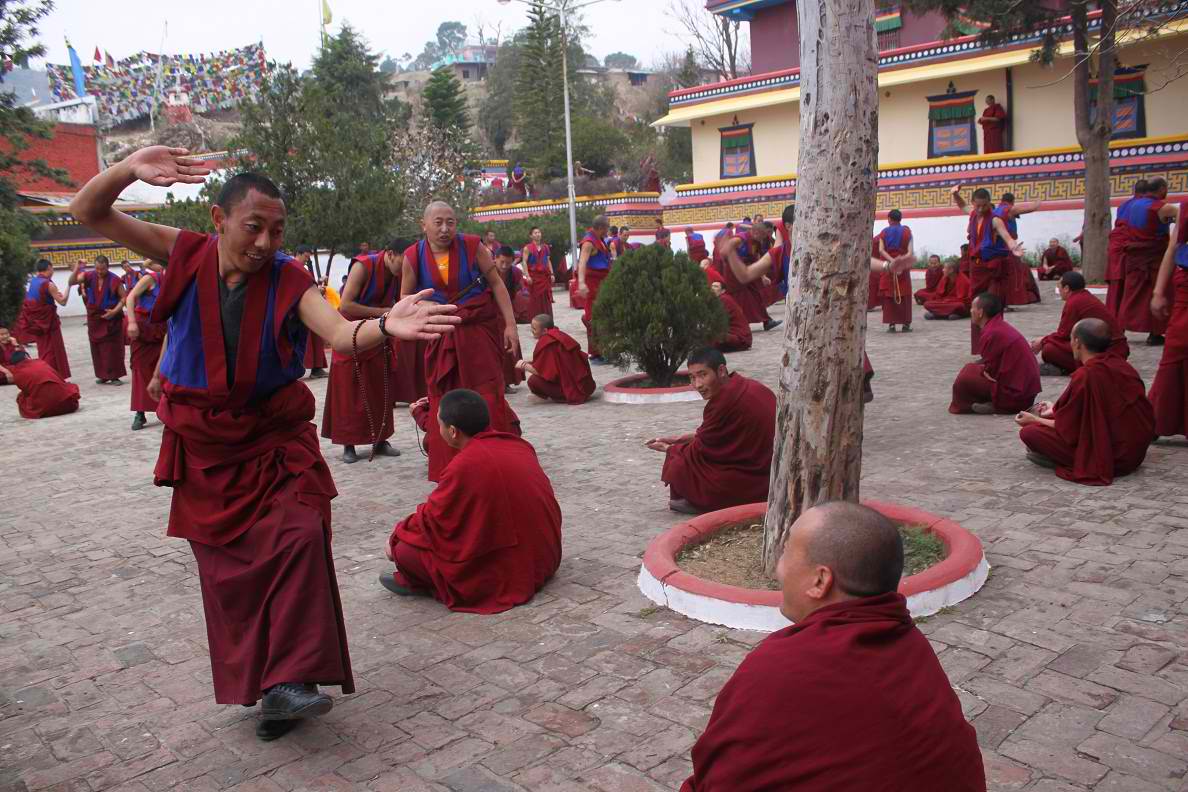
column 289, row 28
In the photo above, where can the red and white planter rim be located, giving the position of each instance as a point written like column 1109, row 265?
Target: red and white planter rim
column 958, row 577
column 619, row 392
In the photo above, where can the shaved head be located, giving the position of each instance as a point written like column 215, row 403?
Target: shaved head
column 1094, row 334
column 545, row 321
column 861, row 546
column 439, row 226
column 437, row 206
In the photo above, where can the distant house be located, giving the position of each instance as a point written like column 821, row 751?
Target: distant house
column 470, row 63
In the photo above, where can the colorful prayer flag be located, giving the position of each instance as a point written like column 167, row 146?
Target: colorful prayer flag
column 108, row 60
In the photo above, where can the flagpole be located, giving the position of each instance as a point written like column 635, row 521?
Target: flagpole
column 157, row 82
column 321, row 24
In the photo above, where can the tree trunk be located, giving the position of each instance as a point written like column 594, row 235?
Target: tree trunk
column 818, row 444
column 1094, row 133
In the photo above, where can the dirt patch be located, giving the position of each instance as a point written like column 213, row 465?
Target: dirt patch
column 734, row 555
column 679, row 381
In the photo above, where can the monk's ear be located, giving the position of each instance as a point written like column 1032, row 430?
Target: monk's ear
column 217, row 217
column 823, row 582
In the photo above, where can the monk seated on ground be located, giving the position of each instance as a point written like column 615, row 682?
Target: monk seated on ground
column 1006, row 379
column 489, row 536
column 851, row 696
column 41, row 391
column 738, row 336
column 1102, row 424
column 1054, row 262
column 951, row 298
column 933, row 276
column 1079, row 303
column 727, row 462
column 559, row 369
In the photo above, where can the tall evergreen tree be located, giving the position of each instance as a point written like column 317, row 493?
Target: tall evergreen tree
column 538, row 86
column 445, row 101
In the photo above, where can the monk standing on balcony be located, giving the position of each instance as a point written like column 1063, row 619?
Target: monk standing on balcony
column 993, row 122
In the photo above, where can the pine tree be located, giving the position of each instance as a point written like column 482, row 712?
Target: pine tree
column 538, row 86
column 445, row 102
column 690, row 72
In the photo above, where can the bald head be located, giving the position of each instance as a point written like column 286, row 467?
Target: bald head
column 861, row 546
column 439, row 225
column 601, row 223
column 1094, row 335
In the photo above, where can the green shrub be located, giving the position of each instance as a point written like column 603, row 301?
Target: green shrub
column 653, row 310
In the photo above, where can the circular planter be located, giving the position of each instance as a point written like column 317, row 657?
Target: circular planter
column 618, row 392
column 957, row 578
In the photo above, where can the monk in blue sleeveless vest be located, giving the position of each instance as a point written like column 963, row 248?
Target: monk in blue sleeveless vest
column 38, row 322
column 1147, row 220
column 895, row 281
column 104, row 297
column 594, row 265
column 991, row 247
column 145, row 338
column 251, row 491
column 458, row 270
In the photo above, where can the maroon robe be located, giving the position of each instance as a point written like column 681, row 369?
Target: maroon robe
column 489, row 536
column 1169, row 392
column 41, row 391
column 106, row 335
column 344, row 418
column 951, row 298
column 728, row 460
column 146, row 350
column 933, row 276
column 540, row 291
column 563, row 370
column 251, row 491
column 1104, row 424
column 1055, row 263
column 895, row 288
column 1142, row 253
column 315, row 353
column 1056, row 347
column 749, row 296
column 6, row 354
column 1008, row 359
column 850, row 698
column 594, row 279
column 39, row 323
column 1115, row 275
column 738, row 334
column 873, row 298
column 993, row 123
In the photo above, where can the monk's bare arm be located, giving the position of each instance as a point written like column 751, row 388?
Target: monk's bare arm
column 410, row 319
column 511, row 337
column 119, row 306
column 58, row 296
column 350, row 293
column 957, row 199
column 154, row 385
column 142, row 285
column 583, row 259
column 157, row 165
column 1160, row 305
column 408, row 278
column 76, row 275
column 1169, row 212
column 1026, row 208
column 1003, row 232
column 748, row 273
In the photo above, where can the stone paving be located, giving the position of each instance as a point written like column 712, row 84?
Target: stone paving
column 1071, row 662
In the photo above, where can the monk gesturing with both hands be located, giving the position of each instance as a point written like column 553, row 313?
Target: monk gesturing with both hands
column 251, row 491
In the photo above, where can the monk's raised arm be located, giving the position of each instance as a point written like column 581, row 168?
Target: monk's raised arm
column 410, row 319
column 957, row 199
column 161, row 166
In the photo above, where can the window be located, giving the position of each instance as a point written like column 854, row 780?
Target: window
column 952, row 123
column 466, row 74
column 1130, row 111
column 889, row 40
column 637, row 78
column 738, row 151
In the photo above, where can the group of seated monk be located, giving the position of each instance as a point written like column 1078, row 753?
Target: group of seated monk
column 41, row 391
column 950, row 299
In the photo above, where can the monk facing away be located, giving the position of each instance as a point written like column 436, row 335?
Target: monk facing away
column 559, row 370
column 489, row 536
column 1169, row 393
column 38, row 321
column 145, row 339
column 1102, row 424
column 727, row 462
column 1056, row 348
column 41, row 391
column 1006, row 379
column 251, row 491
column 851, row 696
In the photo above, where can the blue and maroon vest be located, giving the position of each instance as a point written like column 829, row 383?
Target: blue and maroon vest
column 109, row 290
column 382, row 287
column 983, row 239
column 600, row 259
column 895, row 239
column 38, row 290
column 465, row 277
column 539, row 259
column 1142, row 217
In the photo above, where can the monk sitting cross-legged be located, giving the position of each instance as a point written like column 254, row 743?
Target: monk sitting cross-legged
column 1079, row 303
column 1007, row 378
column 1055, row 261
column 934, row 275
column 728, row 461
column 489, row 536
column 850, row 697
column 951, row 298
column 1102, row 424
column 559, row 370
column 41, row 391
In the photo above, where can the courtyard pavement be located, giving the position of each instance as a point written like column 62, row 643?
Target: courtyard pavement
column 1070, row 662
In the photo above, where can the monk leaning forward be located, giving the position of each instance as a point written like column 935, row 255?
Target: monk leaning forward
column 1056, row 348
column 251, row 491
column 559, row 371
column 41, row 391
column 1007, row 378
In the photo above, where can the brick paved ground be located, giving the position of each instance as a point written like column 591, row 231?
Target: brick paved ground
column 1071, row 662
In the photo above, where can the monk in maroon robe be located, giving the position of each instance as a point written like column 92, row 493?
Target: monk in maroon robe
column 851, row 696
column 1169, row 392
column 874, row 300
column 1145, row 242
column 934, row 274
column 1007, row 378
column 728, row 461
column 315, row 351
column 734, row 255
column 1102, row 424
column 1055, row 349
column 993, row 123
column 951, row 298
column 738, row 336
column 38, row 321
column 513, row 280
column 251, row 491
column 538, row 274
column 559, row 370
column 895, row 281
column 993, row 250
column 1055, row 261
column 1115, row 271
column 595, row 260
column 489, row 536
column 460, row 271
column 41, row 391
column 104, row 297
column 695, row 245
column 146, row 340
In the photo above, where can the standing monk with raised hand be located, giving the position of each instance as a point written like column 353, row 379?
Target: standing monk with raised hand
column 145, row 338
column 38, row 321
column 991, row 248
column 104, row 297
column 457, row 269
column 594, row 264
column 251, row 491
column 737, row 252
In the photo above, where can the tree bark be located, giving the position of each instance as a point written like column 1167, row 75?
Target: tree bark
column 818, row 444
column 1094, row 134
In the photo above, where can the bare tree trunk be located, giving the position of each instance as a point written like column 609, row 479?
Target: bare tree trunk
column 818, row 444
column 1094, row 133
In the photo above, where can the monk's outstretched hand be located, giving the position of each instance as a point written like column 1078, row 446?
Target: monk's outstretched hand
column 1159, row 307
column 413, row 319
column 164, row 166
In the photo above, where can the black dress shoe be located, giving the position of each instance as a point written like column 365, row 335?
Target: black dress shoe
column 349, row 456
column 138, row 422
column 388, row 581
column 772, row 324
column 269, row 730
column 682, row 506
column 1155, row 340
column 1041, row 460
column 293, row 700
column 384, row 448
column 317, row 373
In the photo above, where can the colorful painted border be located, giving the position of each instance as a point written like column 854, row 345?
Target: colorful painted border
column 619, row 204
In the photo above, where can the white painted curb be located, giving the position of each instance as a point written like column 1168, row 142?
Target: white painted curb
column 619, row 397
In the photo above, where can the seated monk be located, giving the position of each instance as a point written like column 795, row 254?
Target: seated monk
column 1007, row 379
column 738, row 336
column 711, row 272
column 933, row 275
column 559, row 369
column 41, row 391
column 1055, row 261
column 951, row 298
column 728, row 461
column 851, row 696
column 1102, row 424
column 489, row 536
column 1079, row 303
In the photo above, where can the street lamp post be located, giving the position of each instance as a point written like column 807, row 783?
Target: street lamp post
column 562, row 8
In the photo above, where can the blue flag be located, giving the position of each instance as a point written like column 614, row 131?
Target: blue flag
column 80, row 85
